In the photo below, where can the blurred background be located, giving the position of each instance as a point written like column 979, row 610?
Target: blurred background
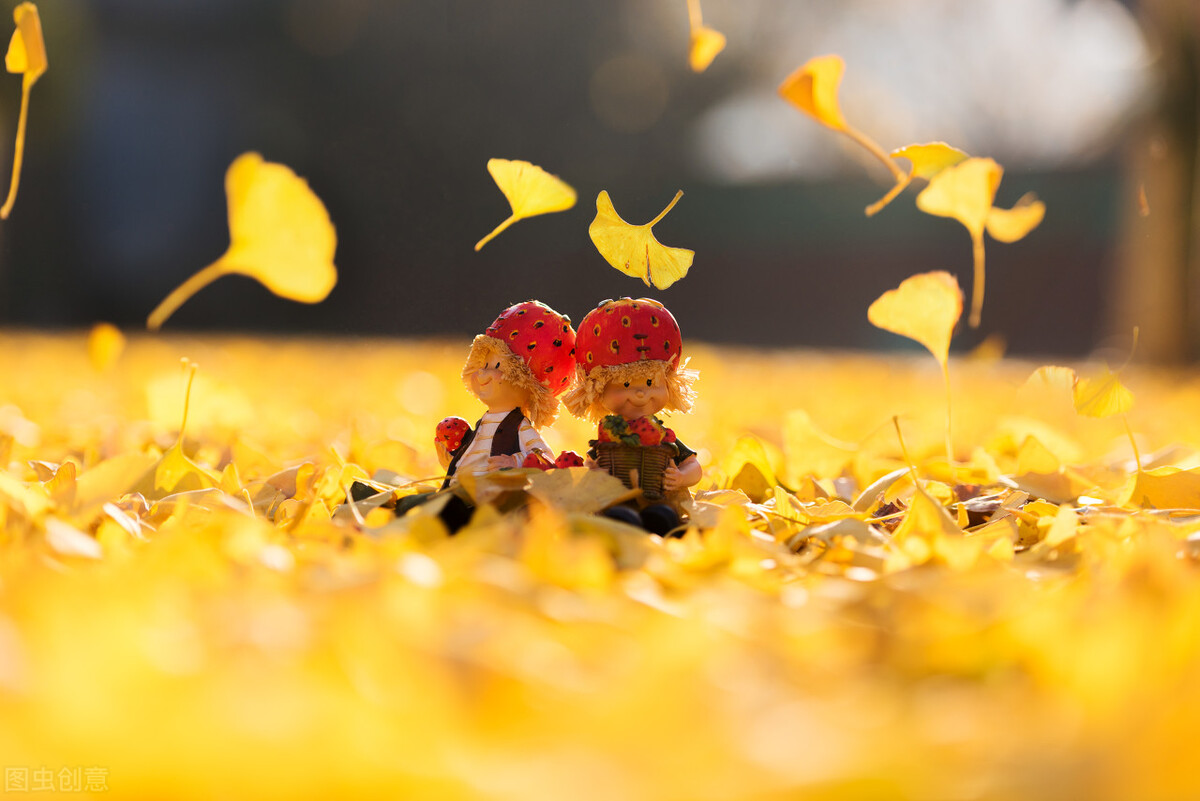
column 391, row 109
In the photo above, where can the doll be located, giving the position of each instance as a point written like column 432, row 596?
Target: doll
column 517, row 368
column 629, row 367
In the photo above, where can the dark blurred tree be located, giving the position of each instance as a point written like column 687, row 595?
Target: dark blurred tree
column 1158, row 281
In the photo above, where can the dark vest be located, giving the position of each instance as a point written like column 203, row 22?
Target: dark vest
column 505, row 442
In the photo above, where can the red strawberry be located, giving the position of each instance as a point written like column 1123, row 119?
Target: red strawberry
column 450, row 432
column 647, row 432
column 569, row 459
column 536, row 459
column 668, row 435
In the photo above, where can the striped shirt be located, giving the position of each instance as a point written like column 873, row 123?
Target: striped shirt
column 475, row 459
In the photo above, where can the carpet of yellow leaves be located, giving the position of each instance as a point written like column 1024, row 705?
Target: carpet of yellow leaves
column 209, row 631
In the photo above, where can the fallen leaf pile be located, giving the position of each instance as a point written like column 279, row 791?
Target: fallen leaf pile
column 183, row 606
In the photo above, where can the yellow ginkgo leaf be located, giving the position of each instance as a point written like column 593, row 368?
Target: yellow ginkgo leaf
column 1102, row 396
column 813, row 88
column 925, row 308
column 280, row 234
column 26, row 55
column 964, row 191
column 530, row 191
column 633, row 250
column 1009, row 225
column 927, row 160
column 706, row 44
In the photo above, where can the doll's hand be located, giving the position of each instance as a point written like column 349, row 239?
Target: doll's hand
column 501, row 462
column 685, row 475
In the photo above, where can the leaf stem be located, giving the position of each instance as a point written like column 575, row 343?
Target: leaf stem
column 1137, row 458
column 694, row 18
column 495, row 232
column 949, row 440
column 876, row 151
column 182, row 292
column 890, row 196
column 19, row 151
column 912, row 468
column 977, row 288
column 663, row 213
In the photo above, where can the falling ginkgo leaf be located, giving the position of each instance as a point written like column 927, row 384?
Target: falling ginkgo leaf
column 280, row 234
column 530, row 191
column 26, row 55
column 1102, row 396
column 924, row 308
column 927, row 161
column 633, row 250
column 813, row 88
column 706, row 43
column 965, row 192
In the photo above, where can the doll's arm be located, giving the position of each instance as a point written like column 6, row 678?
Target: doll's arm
column 686, row 474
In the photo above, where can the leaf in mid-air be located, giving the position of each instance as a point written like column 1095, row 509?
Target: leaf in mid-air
column 706, row 43
column 927, row 160
column 813, row 88
column 925, row 308
column 1102, row 396
column 1009, row 225
column 530, row 191
column 633, row 250
column 280, row 234
column 965, row 192
column 26, row 55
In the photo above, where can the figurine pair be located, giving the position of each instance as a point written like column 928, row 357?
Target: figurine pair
column 621, row 369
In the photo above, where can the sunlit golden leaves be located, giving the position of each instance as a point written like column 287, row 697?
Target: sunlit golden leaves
column 965, row 192
column 706, row 43
column 530, row 191
column 26, row 55
column 633, row 249
column 926, row 161
column 280, row 235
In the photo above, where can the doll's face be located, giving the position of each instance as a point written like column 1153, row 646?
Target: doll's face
column 494, row 390
column 637, row 398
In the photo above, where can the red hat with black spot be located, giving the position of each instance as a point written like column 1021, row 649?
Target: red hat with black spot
column 626, row 339
column 536, row 349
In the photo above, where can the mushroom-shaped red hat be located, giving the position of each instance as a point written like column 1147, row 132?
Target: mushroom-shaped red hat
column 626, row 331
column 535, row 346
column 627, row 340
column 540, row 337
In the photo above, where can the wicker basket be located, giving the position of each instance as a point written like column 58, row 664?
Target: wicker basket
column 650, row 462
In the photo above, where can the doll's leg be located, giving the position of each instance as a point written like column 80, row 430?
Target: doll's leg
column 662, row 520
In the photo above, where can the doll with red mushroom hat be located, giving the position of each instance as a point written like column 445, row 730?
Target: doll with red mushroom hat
column 629, row 367
column 517, row 368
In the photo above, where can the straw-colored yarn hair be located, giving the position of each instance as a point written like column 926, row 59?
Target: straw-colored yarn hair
column 542, row 406
column 584, row 397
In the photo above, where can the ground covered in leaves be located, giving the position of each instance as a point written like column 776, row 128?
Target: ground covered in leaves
column 189, row 615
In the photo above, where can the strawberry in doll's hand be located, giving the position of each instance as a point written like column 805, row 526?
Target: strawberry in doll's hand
column 536, row 459
column 668, row 436
column 647, row 431
column 450, row 432
column 612, row 428
column 569, row 459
